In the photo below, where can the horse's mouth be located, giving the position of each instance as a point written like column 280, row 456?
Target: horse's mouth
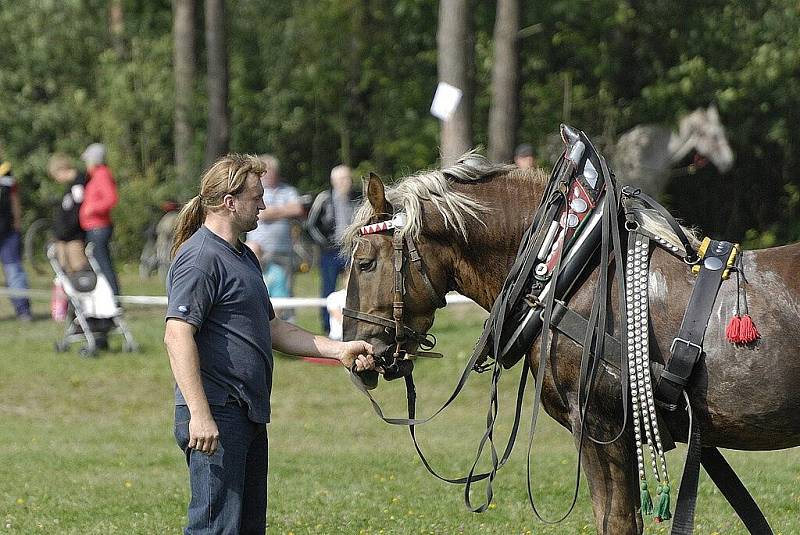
column 394, row 363
column 388, row 364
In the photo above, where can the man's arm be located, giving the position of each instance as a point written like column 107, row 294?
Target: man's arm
column 184, row 359
column 285, row 211
column 312, row 223
column 289, row 338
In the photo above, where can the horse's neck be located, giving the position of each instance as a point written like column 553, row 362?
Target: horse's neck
column 481, row 266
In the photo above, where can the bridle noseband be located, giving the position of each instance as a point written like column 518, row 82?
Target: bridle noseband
column 404, row 250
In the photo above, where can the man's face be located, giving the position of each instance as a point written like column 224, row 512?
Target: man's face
column 248, row 203
column 342, row 182
column 525, row 162
column 64, row 175
column 270, row 178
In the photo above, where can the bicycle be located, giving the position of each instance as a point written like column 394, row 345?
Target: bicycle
column 35, row 242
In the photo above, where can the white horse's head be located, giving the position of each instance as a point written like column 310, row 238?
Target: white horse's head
column 704, row 127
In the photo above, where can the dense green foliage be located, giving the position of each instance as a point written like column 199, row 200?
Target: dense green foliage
column 324, row 81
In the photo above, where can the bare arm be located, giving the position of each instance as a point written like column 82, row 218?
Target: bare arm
column 184, row 359
column 291, row 339
column 285, row 211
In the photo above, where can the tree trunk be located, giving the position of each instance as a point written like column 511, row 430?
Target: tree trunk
column 454, row 41
column 218, row 135
column 116, row 26
column 505, row 71
column 183, row 58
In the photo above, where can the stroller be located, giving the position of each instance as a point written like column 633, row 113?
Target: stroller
column 92, row 312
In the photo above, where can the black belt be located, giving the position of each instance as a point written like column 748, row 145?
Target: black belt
column 688, row 345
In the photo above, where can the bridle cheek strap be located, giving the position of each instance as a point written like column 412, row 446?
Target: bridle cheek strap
column 399, row 291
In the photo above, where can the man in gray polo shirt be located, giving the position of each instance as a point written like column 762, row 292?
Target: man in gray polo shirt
column 272, row 240
column 220, row 331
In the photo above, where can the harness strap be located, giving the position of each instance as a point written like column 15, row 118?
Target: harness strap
column 734, row 491
column 691, row 254
column 688, row 345
column 683, row 519
column 399, row 290
column 574, row 326
column 369, row 318
column 416, row 259
column 426, row 341
column 724, row 478
column 412, row 421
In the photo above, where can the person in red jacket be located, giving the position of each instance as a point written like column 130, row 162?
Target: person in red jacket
column 100, row 196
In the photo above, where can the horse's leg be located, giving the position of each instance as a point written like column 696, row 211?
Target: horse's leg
column 613, row 484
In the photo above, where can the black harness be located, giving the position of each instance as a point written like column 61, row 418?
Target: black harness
column 531, row 298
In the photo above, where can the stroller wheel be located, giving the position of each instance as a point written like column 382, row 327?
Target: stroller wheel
column 87, row 352
column 61, row 346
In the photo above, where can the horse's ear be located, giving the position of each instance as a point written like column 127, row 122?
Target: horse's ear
column 376, row 195
column 713, row 114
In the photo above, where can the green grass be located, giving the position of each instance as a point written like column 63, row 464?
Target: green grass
column 87, row 445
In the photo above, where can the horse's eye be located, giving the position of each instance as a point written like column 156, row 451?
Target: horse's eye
column 366, row 264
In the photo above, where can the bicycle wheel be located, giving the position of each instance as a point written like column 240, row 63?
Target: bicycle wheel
column 34, row 245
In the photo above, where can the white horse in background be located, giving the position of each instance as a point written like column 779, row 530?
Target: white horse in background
column 645, row 155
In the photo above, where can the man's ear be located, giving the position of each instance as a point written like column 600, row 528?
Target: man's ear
column 228, row 201
column 376, row 195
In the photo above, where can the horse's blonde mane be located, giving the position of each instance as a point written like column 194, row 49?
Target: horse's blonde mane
column 434, row 186
column 655, row 223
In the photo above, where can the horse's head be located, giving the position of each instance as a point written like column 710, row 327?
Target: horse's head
column 704, row 127
column 397, row 281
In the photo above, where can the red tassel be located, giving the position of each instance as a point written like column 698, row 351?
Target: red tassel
column 733, row 329
column 747, row 330
column 742, row 330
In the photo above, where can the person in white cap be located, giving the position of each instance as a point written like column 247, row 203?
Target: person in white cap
column 100, row 196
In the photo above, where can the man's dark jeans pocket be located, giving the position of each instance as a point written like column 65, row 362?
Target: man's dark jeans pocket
column 181, row 430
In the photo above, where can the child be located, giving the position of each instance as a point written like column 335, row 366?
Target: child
column 70, row 237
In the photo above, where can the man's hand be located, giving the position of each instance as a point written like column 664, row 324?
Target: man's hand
column 358, row 352
column 203, row 434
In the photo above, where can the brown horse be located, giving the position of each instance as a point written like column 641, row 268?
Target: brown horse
column 467, row 222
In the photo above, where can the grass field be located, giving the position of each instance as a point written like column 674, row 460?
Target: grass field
column 87, row 448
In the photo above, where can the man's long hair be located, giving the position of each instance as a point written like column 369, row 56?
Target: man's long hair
column 227, row 176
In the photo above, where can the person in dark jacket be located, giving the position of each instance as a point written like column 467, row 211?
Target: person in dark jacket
column 70, row 237
column 10, row 224
column 328, row 218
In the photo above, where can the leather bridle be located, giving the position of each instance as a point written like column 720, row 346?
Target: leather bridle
column 405, row 252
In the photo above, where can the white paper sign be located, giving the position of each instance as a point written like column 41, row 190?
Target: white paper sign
column 445, row 101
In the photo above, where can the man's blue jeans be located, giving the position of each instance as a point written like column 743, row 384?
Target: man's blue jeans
column 331, row 263
column 101, row 237
column 15, row 274
column 229, row 488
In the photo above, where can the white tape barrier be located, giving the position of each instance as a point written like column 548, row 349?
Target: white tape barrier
column 278, row 303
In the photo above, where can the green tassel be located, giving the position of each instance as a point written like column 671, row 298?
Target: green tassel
column 647, row 502
column 663, row 512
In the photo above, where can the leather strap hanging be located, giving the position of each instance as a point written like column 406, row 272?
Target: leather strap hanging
column 687, row 347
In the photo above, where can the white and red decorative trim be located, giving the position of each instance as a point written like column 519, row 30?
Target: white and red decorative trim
column 398, row 221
